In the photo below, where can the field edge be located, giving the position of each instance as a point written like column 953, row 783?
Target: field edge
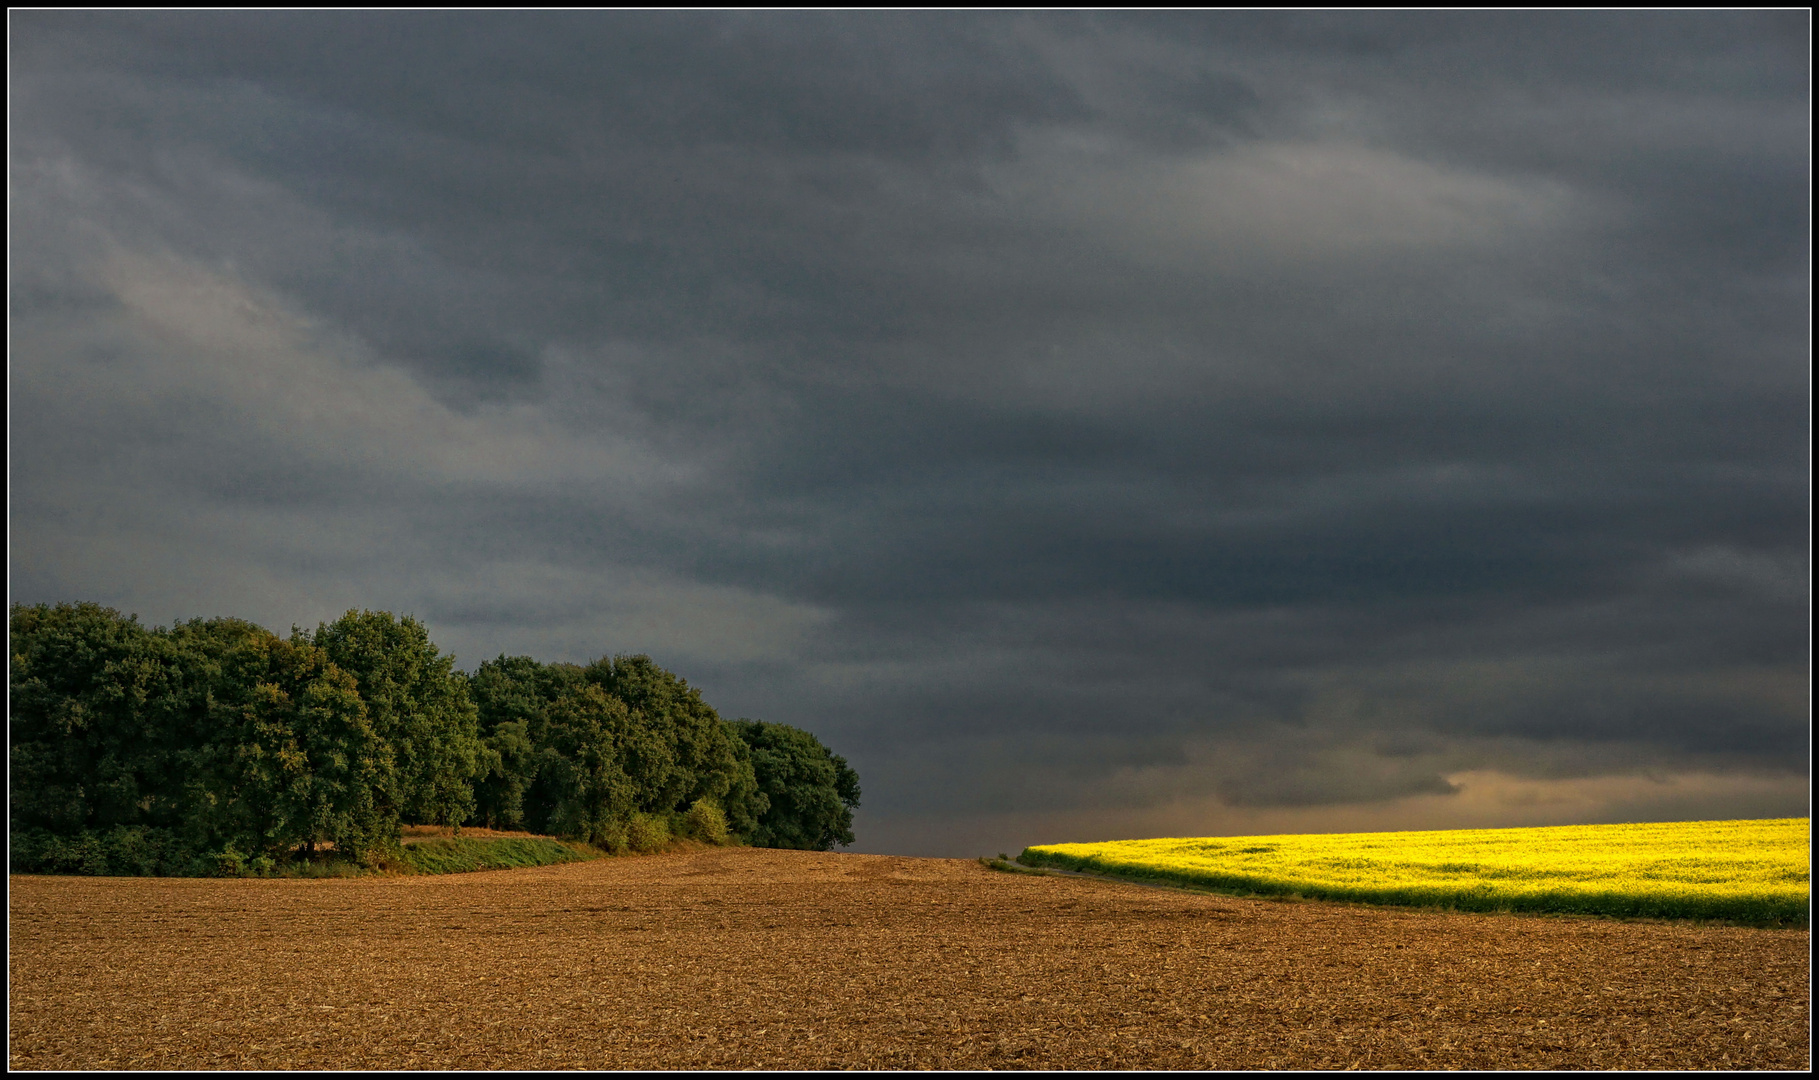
column 1754, row 913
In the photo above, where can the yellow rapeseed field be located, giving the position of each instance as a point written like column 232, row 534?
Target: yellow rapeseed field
column 1743, row 871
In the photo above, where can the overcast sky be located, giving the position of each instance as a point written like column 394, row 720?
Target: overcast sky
column 1090, row 426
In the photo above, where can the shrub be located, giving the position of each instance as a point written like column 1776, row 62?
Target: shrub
column 230, row 863
column 612, row 837
column 706, row 822
column 123, row 851
column 36, row 851
column 647, row 832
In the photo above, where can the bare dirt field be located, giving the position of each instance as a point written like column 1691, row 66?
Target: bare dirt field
column 769, row 959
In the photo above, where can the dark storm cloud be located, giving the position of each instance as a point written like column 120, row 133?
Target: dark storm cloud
column 1062, row 414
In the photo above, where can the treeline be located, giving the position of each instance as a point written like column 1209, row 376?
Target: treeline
column 214, row 746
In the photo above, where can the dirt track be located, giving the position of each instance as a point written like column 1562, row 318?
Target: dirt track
column 769, row 959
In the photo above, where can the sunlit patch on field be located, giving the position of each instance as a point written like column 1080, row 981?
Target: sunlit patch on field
column 1746, row 871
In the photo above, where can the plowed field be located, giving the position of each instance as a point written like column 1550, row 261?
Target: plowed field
column 742, row 958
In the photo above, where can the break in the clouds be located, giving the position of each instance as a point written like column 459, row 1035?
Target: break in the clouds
column 1087, row 425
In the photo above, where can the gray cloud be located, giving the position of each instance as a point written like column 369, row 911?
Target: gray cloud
column 1064, row 415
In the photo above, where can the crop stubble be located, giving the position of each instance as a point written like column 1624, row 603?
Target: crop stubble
column 748, row 958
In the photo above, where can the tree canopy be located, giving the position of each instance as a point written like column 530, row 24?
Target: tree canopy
column 418, row 704
column 810, row 789
column 215, row 746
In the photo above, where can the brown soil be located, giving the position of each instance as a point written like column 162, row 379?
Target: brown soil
column 742, row 958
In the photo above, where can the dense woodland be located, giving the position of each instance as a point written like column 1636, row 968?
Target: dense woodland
column 217, row 747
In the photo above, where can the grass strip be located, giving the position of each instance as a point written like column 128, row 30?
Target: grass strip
column 456, row 855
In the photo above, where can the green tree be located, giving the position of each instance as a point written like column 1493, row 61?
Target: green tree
column 419, row 704
column 173, row 751
column 292, row 757
column 585, row 740
column 82, row 756
column 217, row 745
column 704, row 759
column 669, row 745
column 512, row 696
column 810, row 790
column 336, row 766
column 510, row 766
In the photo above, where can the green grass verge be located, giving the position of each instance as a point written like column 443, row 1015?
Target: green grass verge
column 1746, row 909
column 457, row 855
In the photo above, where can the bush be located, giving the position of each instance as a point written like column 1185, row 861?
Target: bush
column 706, row 822
column 123, row 851
column 648, row 832
column 36, row 851
column 230, row 863
column 321, row 868
column 611, row 837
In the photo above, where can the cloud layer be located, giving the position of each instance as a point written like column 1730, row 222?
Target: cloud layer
column 1192, row 422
